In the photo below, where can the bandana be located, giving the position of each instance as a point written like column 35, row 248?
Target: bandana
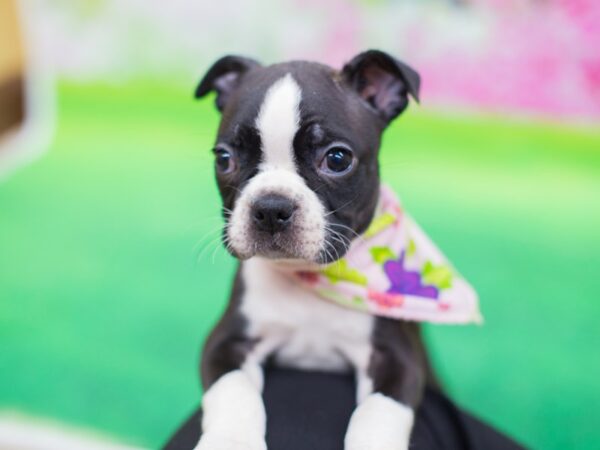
column 394, row 270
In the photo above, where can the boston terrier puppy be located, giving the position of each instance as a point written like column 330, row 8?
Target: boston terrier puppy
column 296, row 161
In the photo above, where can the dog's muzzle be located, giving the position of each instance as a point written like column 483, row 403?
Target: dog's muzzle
column 277, row 216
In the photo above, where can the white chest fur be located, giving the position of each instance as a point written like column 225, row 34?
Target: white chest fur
column 302, row 330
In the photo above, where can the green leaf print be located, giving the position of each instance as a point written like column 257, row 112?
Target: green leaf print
column 339, row 271
column 382, row 254
column 379, row 224
column 438, row 276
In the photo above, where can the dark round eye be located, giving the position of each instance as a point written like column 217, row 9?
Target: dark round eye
column 337, row 160
column 224, row 160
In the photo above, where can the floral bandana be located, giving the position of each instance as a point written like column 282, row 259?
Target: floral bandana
column 394, row 270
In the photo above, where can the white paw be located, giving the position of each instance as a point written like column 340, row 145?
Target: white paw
column 213, row 441
column 234, row 415
column 379, row 423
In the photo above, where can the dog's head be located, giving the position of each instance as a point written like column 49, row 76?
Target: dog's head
column 296, row 151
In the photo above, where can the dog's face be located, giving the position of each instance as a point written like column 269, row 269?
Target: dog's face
column 296, row 152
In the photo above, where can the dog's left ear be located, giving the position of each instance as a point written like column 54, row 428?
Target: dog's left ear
column 224, row 76
column 383, row 82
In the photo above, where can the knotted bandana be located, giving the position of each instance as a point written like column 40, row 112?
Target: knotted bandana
column 394, row 270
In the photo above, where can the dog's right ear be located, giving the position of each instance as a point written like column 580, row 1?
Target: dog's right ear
column 383, row 82
column 224, row 77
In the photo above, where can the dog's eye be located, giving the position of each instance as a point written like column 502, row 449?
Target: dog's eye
column 224, row 160
column 337, row 160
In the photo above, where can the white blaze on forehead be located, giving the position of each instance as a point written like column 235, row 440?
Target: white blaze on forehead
column 278, row 121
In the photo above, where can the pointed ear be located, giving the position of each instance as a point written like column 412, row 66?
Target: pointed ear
column 383, row 82
column 224, row 77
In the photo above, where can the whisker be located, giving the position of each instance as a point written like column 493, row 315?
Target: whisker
column 343, row 206
column 215, row 251
column 207, row 237
column 235, row 188
column 337, row 254
column 214, row 243
column 322, row 185
column 339, row 238
column 344, row 245
column 327, row 253
column 345, row 227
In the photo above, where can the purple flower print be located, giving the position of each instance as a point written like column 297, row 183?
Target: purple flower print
column 406, row 281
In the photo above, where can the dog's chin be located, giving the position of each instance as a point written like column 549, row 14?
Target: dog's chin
column 276, row 253
column 289, row 252
column 273, row 251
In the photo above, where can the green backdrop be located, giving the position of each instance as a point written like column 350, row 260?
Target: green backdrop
column 107, row 286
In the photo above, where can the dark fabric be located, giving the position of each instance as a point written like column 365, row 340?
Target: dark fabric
column 310, row 411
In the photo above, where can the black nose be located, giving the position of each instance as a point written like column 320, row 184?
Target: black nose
column 272, row 213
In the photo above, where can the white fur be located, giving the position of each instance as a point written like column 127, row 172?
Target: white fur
column 307, row 332
column 234, row 416
column 379, row 423
column 277, row 123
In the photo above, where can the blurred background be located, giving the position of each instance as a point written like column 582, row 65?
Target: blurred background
column 111, row 273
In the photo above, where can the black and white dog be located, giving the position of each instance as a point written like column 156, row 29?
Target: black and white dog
column 296, row 164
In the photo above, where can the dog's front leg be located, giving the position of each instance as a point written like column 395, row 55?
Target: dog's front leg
column 389, row 389
column 380, row 422
column 234, row 415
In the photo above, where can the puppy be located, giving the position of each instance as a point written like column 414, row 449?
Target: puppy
column 296, row 165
